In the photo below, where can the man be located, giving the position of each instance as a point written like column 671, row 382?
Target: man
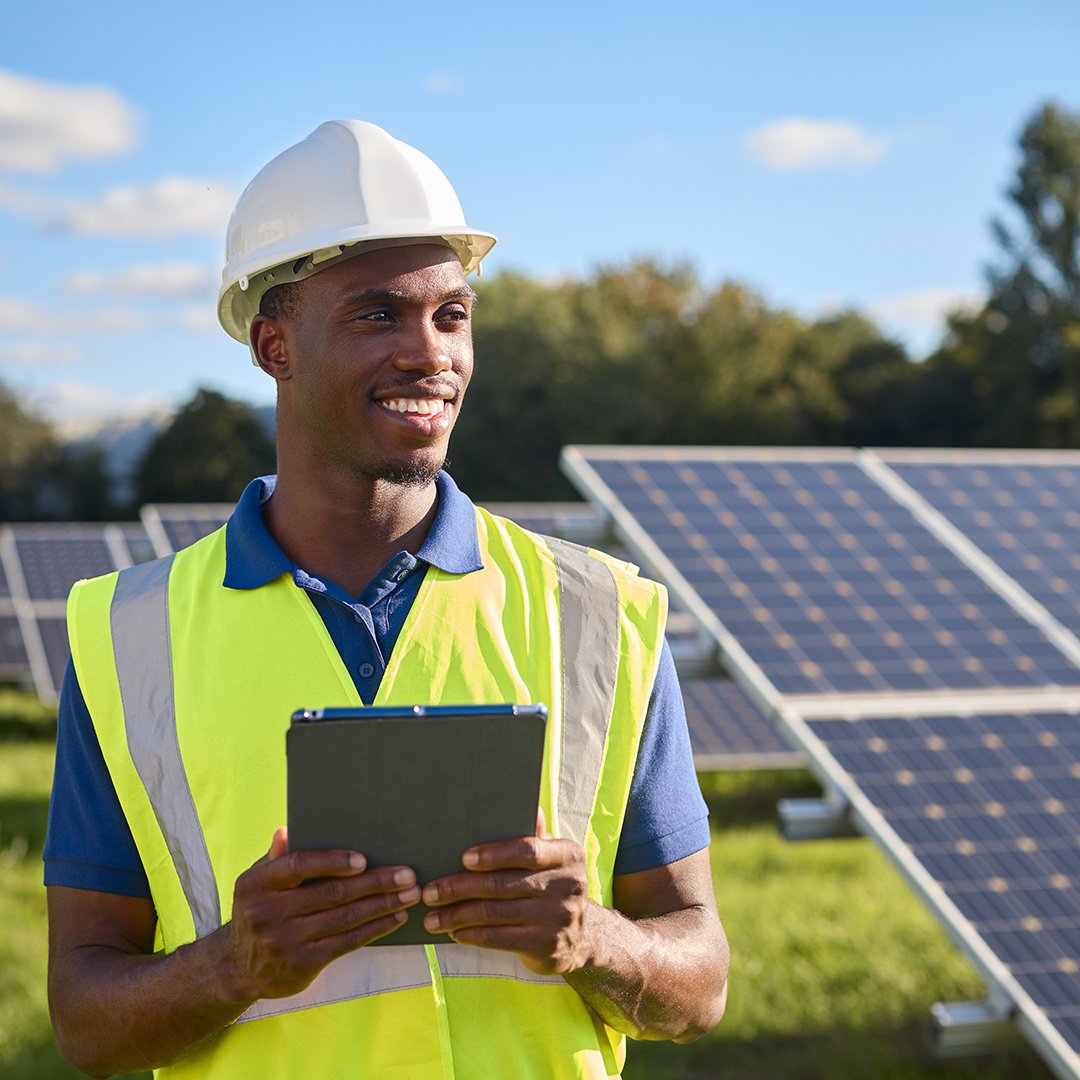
column 362, row 574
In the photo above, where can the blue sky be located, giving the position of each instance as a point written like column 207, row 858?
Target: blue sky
column 830, row 154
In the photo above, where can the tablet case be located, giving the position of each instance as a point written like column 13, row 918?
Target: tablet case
column 414, row 787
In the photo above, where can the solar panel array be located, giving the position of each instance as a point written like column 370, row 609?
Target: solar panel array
column 826, row 581
column 886, row 612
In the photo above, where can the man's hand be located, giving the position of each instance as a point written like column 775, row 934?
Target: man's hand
column 294, row 912
column 654, row 967
column 118, row 1006
column 528, row 896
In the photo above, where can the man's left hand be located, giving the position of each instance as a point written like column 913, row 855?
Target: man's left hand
column 528, row 896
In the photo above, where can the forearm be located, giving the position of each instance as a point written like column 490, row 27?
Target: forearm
column 663, row 977
column 116, row 1011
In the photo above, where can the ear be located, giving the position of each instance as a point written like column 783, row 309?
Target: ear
column 269, row 345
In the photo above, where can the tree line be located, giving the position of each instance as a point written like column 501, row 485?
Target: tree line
column 643, row 353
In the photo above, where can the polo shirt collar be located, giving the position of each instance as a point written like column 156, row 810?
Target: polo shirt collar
column 253, row 557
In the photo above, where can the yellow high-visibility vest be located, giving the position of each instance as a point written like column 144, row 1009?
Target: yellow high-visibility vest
column 191, row 685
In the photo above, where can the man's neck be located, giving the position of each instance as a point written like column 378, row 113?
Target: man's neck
column 346, row 528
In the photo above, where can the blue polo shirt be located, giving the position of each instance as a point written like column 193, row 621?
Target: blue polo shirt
column 89, row 844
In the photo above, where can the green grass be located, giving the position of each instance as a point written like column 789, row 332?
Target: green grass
column 835, row 963
column 22, row 716
column 27, row 1049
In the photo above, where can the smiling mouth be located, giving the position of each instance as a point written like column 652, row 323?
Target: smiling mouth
column 428, row 407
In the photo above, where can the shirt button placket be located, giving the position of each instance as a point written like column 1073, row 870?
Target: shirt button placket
column 366, row 670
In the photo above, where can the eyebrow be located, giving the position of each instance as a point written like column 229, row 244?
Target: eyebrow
column 396, row 296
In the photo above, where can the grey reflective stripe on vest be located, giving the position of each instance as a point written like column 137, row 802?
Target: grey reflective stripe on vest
column 140, row 630
column 589, row 623
column 374, row 970
column 589, row 628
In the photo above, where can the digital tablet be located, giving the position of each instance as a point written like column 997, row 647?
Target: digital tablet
column 414, row 786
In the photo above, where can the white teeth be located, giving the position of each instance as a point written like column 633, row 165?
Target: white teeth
column 421, row 406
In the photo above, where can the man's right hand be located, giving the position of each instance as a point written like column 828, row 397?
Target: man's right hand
column 295, row 911
column 117, row 1006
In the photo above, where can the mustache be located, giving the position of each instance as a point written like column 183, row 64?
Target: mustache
column 435, row 387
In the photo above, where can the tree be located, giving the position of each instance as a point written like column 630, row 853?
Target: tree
column 28, row 446
column 644, row 353
column 1010, row 374
column 212, row 448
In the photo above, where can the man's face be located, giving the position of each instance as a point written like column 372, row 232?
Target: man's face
column 380, row 357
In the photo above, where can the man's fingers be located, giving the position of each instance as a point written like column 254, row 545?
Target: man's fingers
column 292, row 868
column 346, row 919
column 325, row 894
column 495, row 885
column 480, row 913
column 524, row 853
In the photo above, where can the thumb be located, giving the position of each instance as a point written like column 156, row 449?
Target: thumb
column 541, row 824
column 279, row 845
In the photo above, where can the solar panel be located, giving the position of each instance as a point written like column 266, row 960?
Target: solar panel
column 137, row 541
column 53, row 557
column 990, row 807
column 828, row 583
column 1023, row 511
column 172, row 526
column 44, row 561
column 14, row 664
column 728, row 732
column 54, row 640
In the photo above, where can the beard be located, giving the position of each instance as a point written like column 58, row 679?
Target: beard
column 416, row 474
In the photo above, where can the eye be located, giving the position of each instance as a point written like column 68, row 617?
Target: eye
column 453, row 313
column 375, row 315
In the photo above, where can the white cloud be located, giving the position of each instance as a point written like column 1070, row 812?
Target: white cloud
column 926, row 309
column 25, row 317
column 442, row 82
column 69, row 401
column 37, row 354
column 175, row 280
column 24, row 203
column 169, row 207
column 199, row 319
column 798, row 143
column 45, row 124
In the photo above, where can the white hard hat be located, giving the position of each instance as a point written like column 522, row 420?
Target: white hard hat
column 348, row 183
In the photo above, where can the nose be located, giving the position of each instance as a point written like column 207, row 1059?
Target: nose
column 423, row 349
